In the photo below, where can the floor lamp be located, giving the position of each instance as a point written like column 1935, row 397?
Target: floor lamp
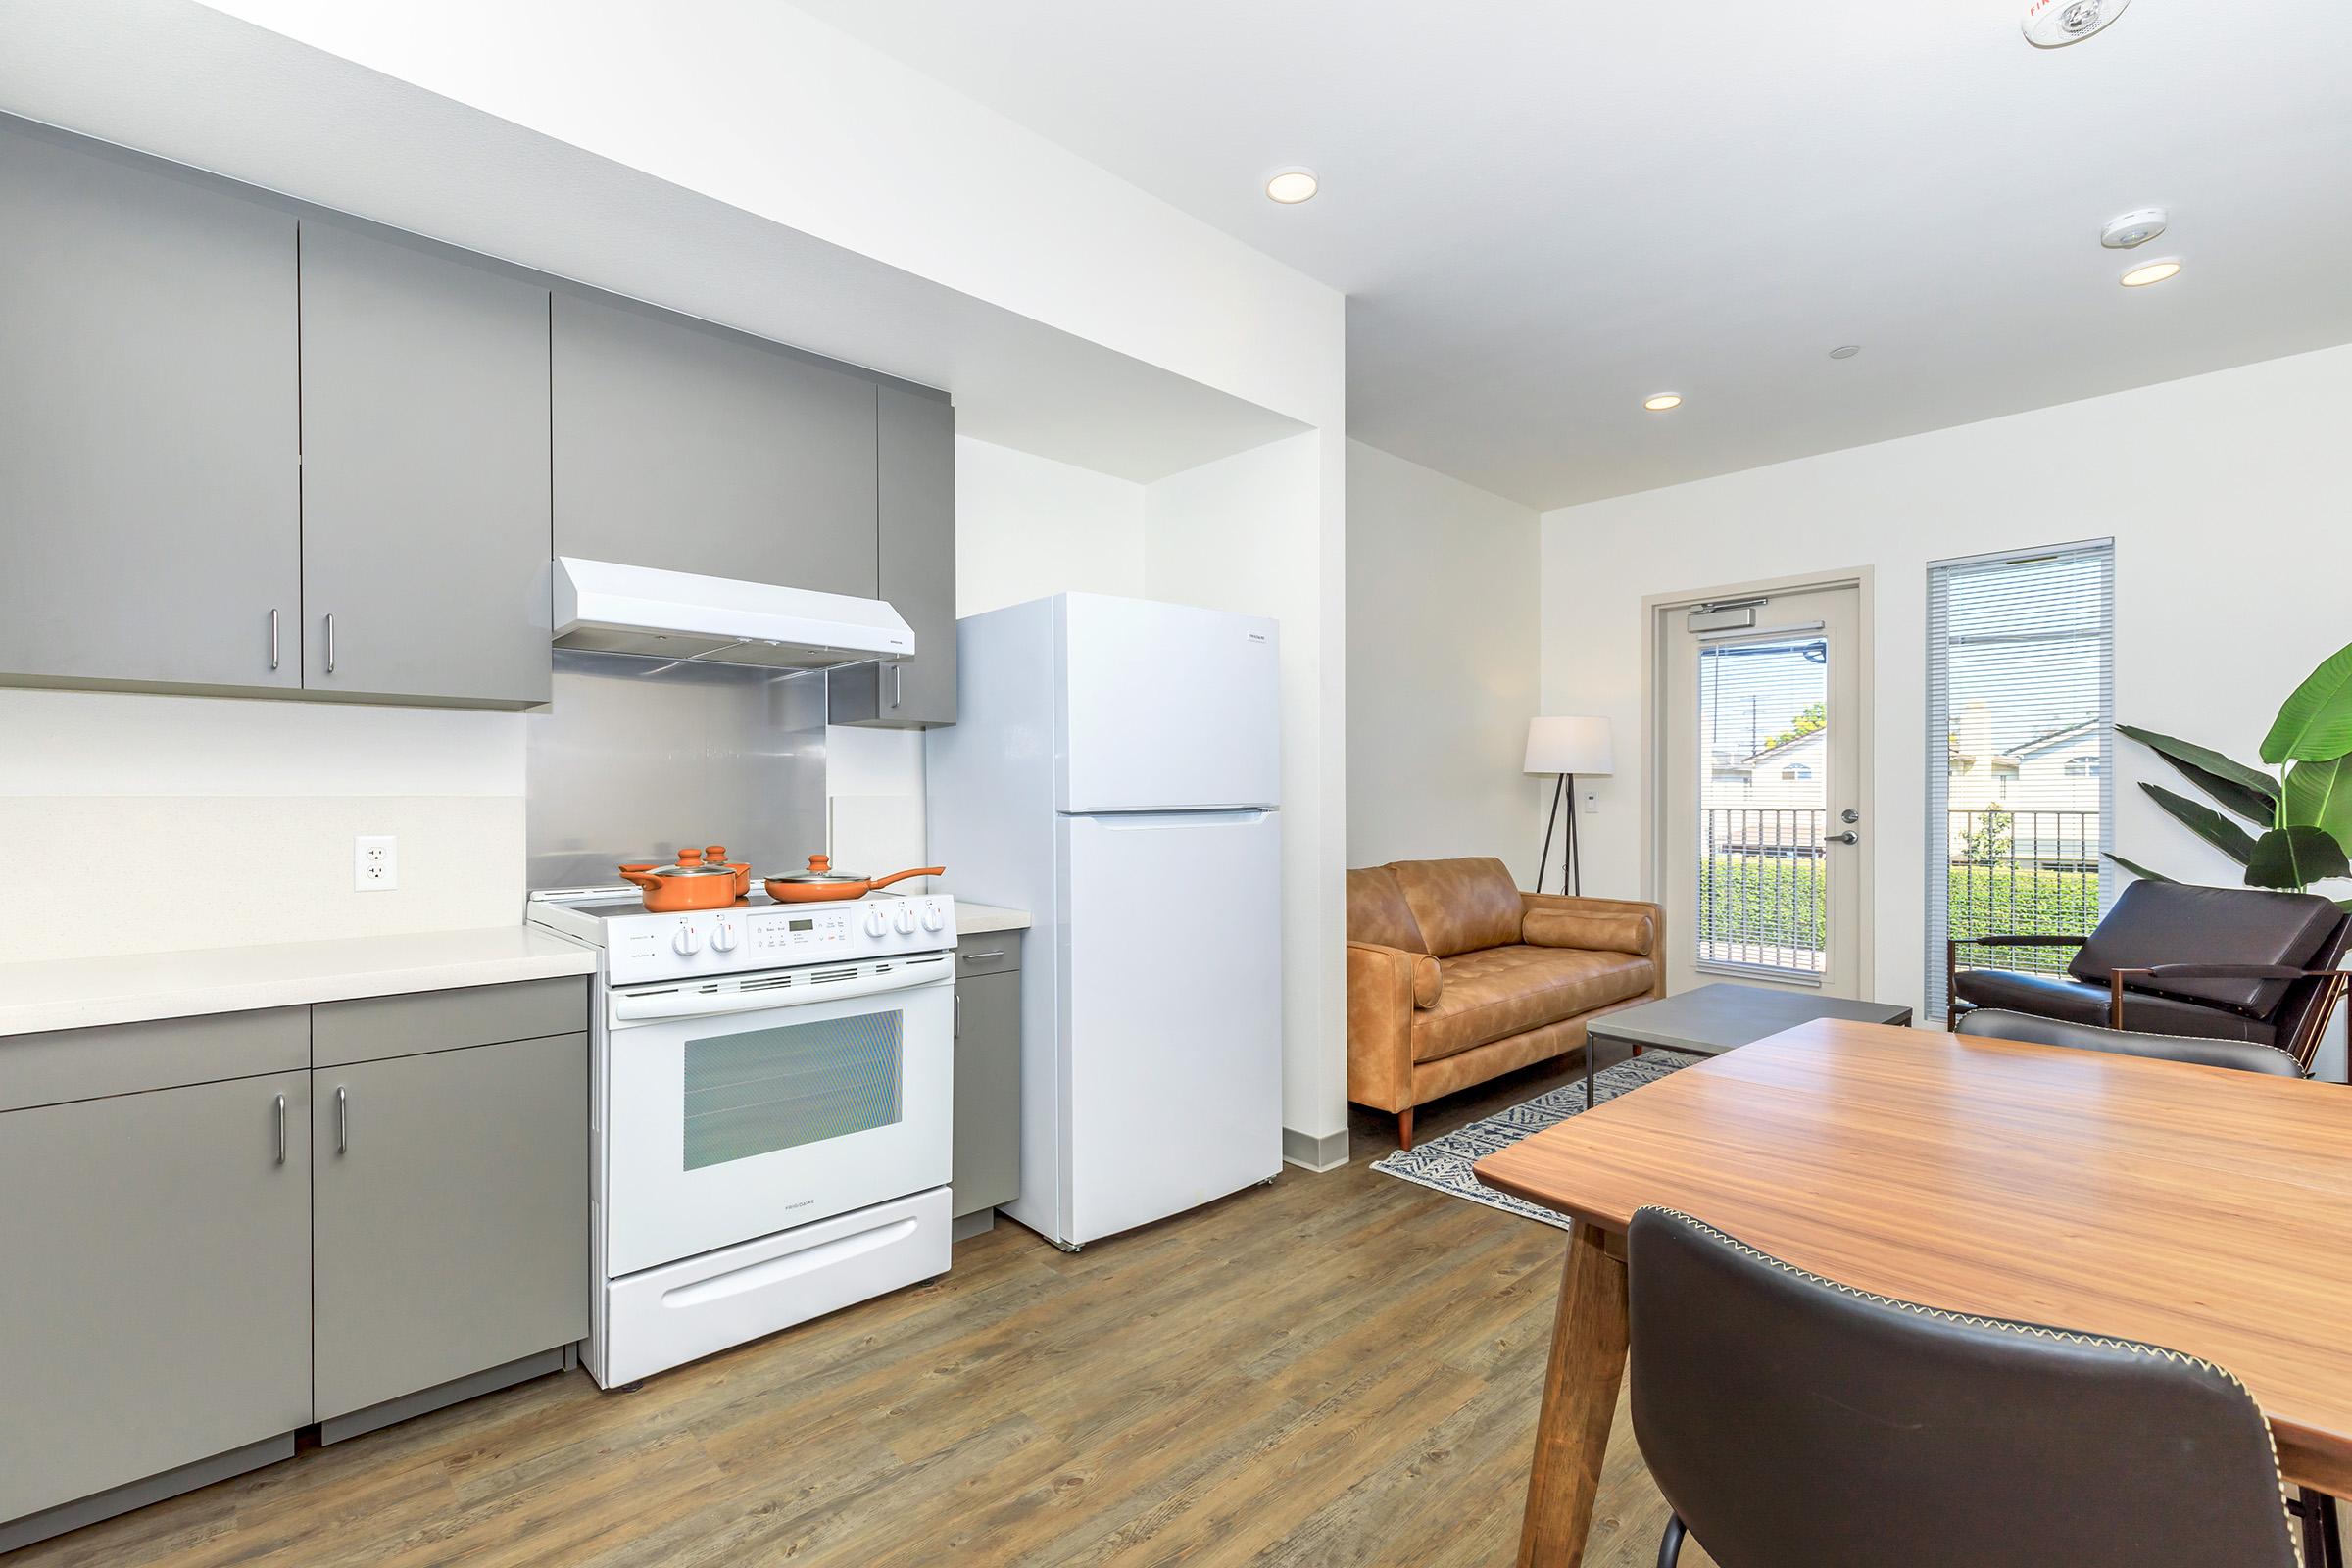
column 1565, row 748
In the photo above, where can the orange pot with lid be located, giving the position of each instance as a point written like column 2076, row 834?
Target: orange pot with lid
column 700, row 879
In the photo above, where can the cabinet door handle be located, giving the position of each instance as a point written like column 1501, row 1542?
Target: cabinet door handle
column 330, row 645
column 959, row 1015
column 342, row 1120
column 281, row 1129
column 273, row 639
column 983, row 958
column 897, row 684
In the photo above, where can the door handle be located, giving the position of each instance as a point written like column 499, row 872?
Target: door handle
column 273, row 639
column 1850, row 836
column 330, row 645
column 342, row 1120
column 281, row 1129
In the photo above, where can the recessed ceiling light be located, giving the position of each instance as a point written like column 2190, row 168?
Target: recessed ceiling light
column 2132, row 228
column 2152, row 273
column 1846, row 351
column 1662, row 402
column 1291, row 186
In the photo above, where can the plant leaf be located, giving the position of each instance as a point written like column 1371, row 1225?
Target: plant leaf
column 2295, row 858
column 2315, row 722
column 2136, row 869
column 2248, row 791
column 2320, row 794
column 2206, row 823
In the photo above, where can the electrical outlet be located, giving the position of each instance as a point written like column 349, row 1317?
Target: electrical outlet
column 375, row 862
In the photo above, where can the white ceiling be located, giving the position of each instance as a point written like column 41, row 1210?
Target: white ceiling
column 1544, row 212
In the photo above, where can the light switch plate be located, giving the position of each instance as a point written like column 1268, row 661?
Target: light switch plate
column 375, row 862
column 1590, row 801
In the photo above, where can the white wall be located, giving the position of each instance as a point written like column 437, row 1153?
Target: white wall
column 2225, row 495
column 780, row 115
column 1442, row 669
column 1264, row 533
column 215, row 820
column 1028, row 527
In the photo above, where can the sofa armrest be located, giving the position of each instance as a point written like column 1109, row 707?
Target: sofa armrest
column 1385, row 987
column 1599, row 925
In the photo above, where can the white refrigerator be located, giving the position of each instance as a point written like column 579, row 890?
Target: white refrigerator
column 1115, row 770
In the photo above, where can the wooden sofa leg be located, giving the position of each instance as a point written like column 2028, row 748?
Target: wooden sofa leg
column 1404, row 1130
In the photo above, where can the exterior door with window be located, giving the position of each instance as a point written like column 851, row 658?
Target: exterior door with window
column 1763, row 845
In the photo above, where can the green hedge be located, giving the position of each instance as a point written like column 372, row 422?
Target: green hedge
column 1780, row 901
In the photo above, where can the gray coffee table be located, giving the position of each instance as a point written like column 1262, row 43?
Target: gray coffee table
column 1716, row 1018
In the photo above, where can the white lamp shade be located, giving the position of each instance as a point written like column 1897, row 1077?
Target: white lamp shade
column 1569, row 746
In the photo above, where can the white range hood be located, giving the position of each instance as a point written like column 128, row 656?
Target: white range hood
column 603, row 606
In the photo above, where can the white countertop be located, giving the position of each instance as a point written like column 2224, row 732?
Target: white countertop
column 81, row 993
column 978, row 920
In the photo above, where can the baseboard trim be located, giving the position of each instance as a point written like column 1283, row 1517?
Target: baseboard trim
column 131, row 1494
column 1313, row 1152
column 456, row 1390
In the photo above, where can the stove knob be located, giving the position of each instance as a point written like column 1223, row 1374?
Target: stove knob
column 932, row 918
column 722, row 937
column 905, row 919
column 876, row 922
column 687, row 941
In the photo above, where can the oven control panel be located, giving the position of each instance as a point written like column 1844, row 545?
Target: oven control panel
column 766, row 935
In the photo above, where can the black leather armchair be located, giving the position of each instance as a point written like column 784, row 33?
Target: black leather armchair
column 1791, row 1419
column 2224, row 964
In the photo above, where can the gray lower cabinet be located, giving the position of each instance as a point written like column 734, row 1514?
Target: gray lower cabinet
column 916, row 452
column 149, row 523
column 698, row 450
column 425, row 476
column 987, row 1071
column 155, row 1283
column 452, row 1215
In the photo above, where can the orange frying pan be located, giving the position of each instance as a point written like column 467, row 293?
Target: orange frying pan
column 820, row 882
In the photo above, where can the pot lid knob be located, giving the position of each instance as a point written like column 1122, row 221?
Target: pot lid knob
column 819, row 864
column 716, row 851
column 689, row 856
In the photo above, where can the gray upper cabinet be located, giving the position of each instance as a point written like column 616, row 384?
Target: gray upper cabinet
column 915, row 450
column 154, row 1300
column 452, row 1227
column 698, row 451
column 149, row 496
column 425, row 476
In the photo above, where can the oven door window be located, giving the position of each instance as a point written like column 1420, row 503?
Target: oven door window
column 755, row 1090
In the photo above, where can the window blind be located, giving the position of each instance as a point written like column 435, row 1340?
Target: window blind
column 2021, row 751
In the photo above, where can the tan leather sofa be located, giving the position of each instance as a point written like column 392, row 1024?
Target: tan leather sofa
column 1455, row 976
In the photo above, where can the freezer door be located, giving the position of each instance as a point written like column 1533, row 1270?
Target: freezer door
column 1171, row 1011
column 1166, row 707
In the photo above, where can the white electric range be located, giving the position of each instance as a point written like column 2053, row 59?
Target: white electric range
column 770, row 1106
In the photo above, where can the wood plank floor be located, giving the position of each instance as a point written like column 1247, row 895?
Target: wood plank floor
column 1335, row 1369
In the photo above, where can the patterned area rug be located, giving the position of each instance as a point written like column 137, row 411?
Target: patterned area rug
column 1444, row 1162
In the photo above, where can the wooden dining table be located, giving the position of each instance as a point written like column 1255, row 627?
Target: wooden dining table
column 2193, row 1207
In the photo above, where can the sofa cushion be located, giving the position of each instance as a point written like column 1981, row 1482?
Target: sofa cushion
column 2057, row 996
column 1499, row 992
column 1377, row 912
column 1460, row 905
column 2174, row 922
column 1603, row 930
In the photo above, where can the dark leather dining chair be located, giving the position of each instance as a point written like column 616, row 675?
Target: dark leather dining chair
column 1793, row 1422
column 2247, row 1055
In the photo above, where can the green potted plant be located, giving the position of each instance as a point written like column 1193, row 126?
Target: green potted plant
column 2303, row 814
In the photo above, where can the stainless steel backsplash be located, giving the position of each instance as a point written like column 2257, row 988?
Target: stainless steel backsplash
column 637, row 758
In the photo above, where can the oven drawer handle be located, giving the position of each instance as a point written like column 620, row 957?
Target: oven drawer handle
column 647, row 1007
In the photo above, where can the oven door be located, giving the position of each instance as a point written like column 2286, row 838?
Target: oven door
column 734, row 1109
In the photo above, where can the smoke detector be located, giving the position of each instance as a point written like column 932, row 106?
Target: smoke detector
column 2053, row 23
column 2132, row 228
